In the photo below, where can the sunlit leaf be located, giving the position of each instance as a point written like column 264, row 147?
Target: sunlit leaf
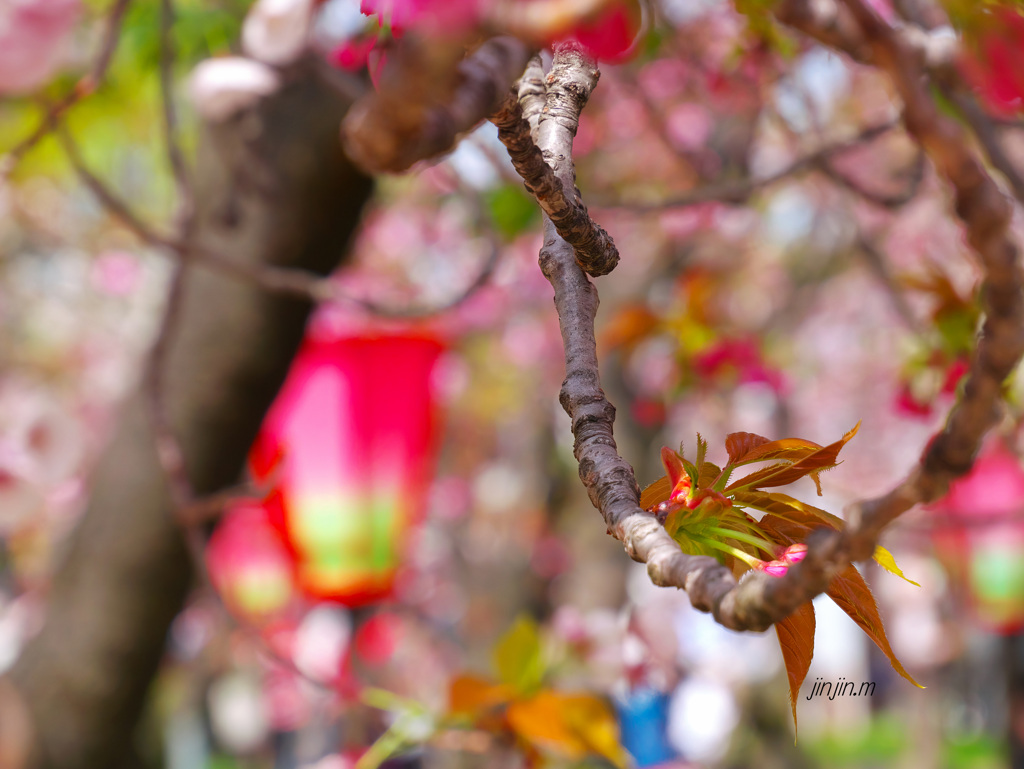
column 673, row 465
column 783, row 474
column 655, row 493
column 518, row 658
column 848, row 589
column 785, row 506
column 739, row 444
column 853, row 596
column 796, row 639
column 884, row 559
column 708, row 474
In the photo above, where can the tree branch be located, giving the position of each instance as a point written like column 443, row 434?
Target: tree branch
column 595, row 249
column 429, row 95
column 758, row 600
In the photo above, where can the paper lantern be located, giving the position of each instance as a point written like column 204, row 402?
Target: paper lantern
column 979, row 536
column 348, row 446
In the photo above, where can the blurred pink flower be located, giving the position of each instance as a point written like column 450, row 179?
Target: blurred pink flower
column 735, row 359
column 32, row 37
column 249, row 563
column 995, row 66
column 609, row 37
column 431, row 17
column 116, row 273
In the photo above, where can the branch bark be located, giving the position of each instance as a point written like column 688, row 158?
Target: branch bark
column 429, row 95
column 758, row 600
column 83, row 680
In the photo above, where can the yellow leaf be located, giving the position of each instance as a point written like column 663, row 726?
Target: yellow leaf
column 884, row 559
column 469, row 695
column 594, row 722
column 539, row 722
column 570, row 724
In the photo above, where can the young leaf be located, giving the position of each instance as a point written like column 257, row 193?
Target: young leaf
column 884, row 559
column 708, row 474
column 796, row 639
column 785, row 449
column 853, row 596
column 785, row 473
column 518, row 660
column 656, row 493
column 739, row 444
column 786, row 507
column 673, row 465
column 702, row 451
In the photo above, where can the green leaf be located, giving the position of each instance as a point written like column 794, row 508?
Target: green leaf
column 884, row 559
column 518, row 658
column 512, row 210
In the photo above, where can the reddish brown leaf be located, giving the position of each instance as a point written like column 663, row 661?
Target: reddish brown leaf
column 673, row 464
column 708, row 474
column 852, row 595
column 782, row 474
column 739, row 444
column 655, row 493
column 796, row 638
column 789, row 449
column 786, row 507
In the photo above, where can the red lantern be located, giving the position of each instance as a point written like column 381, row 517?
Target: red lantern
column 349, row 446
column 980, row 537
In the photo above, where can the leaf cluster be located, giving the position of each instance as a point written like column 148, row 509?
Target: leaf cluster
column 708, row 513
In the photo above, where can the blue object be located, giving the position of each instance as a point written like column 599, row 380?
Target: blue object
column 643, row 721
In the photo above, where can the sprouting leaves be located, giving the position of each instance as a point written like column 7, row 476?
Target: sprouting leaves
column 708, row 515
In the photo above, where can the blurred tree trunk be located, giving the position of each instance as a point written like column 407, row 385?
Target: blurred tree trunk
column 272, row 187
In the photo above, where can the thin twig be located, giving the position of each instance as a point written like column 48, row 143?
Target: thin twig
column 739, row 191
column 85, row 86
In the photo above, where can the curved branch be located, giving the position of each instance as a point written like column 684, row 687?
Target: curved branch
column 428, row 97
column 758, row 600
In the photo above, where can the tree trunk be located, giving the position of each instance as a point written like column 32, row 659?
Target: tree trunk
column 273, row 188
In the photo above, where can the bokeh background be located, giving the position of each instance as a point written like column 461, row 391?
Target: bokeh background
column 791, row 267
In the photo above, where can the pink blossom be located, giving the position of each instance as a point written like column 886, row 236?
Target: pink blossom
column 996, row 67
column 33, row 34
column 431, row 17
column 739, row 359
column 610, row 36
